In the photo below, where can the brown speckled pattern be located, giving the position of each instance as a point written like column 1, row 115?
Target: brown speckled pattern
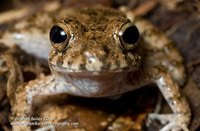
column 95, row 44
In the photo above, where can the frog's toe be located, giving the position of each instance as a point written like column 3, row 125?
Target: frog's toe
column 163, row 118
column 172, row 126
column 173, row 123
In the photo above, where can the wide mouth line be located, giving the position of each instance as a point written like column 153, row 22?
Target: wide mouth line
column 68, row 70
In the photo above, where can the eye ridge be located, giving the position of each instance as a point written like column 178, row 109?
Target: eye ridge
column 57, row 34
column 130, row 35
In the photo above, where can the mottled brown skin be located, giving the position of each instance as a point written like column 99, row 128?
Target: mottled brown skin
column 94, row 63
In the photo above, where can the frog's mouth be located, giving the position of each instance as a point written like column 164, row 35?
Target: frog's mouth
column 93, row 71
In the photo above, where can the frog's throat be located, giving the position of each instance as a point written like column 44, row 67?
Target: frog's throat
column 98, row 85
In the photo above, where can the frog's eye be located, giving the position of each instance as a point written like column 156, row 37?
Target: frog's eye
column 59, row 37
column 129, row 35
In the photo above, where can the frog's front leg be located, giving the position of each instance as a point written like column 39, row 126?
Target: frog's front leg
column 180, row 118
column 24, row 97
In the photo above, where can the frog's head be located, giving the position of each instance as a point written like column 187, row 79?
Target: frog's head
column 92, row 47
column 94, row 40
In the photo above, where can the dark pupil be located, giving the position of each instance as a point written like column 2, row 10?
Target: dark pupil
column 131, row 35
column 57, row 34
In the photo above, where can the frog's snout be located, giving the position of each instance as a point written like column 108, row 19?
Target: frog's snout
column 94, row 56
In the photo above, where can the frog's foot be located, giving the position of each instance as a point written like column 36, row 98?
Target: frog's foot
column 174, row 122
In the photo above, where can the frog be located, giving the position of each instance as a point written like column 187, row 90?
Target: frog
column 101, row 52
